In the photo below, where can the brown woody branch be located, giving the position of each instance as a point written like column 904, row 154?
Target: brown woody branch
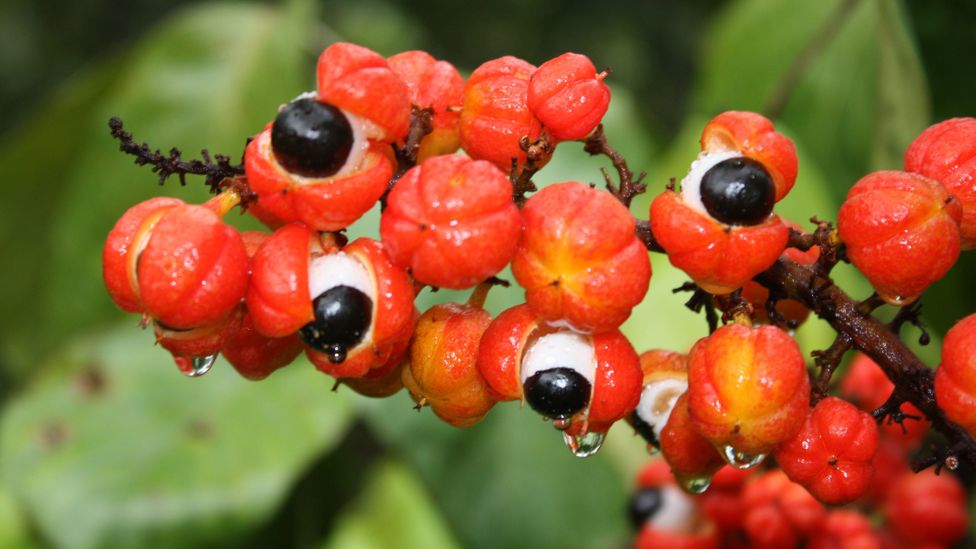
column 629, row 185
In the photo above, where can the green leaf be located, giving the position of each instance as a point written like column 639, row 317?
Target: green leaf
column 114, row 448
column 210, row 76
column 394, row 510
column 508, row 481
column 860, row 97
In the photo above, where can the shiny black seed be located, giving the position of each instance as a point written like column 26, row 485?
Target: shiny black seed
column 342, row 316
column 738, row 191
column 557, row 393
column 310, row 138
column 643, row 505
column 644, row 429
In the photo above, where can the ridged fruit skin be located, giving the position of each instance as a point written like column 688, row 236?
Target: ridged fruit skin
column 901, row 231
column 279, row 301
column 579, row 259
column 748, row 388
column 946, row 152
column 442, row 370
column 955, row 379
column 832, row 454
column 755, row 137
column 436, row 85
column 690, row 455
column 779, row 513
column 568, row 96
column 866, row 385
column 926, row 509
column 845, row 528
column 616, row 389
column 451, row 221
column 495, row 112
column 254, row 355
column 325, row 204
column 359, row 80
column 718, row 257
column 177, row 263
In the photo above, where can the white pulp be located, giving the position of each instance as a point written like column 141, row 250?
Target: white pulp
column 565, row 349
column 338, row 269
column 657, row 400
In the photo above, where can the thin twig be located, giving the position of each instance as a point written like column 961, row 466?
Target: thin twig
column 629, row 185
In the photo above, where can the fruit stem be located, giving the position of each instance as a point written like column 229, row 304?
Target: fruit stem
column 224, row 202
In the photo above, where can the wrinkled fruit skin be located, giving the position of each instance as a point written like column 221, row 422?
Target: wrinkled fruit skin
column 183, row 267
column 866, row 385
column 927, row 509
column 579, row 258
column 831, row 456
column 755, row 137
column 719, row 258
column 690, row 455
column 451, row 221
column 359, row 80
column 436, row 85
column 495, row 113
column 617, row 384
column 901, row 231
column 443, row 371
column 325, row 204
column 280, row 303
column 568, row 96
column 946, row 152
column 748, row 388
column 955, row 379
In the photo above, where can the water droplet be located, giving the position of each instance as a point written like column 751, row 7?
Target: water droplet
column 653, row 449
column 586, row 445
column 695, row 485
column 195, row 366
column 561, row 423
column 741, row 460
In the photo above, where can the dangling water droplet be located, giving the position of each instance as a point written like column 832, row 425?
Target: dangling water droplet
column 695, row 485
column 586, row 445
column 741, row 460
column 561, row 423
column 653, row 449
column 337, row 354
column 195, row 366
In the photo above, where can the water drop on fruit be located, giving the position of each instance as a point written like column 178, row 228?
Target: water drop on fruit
column 740, row 460
column 195, row 366
column 584, row 446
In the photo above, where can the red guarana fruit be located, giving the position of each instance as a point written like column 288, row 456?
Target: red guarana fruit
column 451, row 221
column 579, row 259
column 925, row 509
column 568, row 96
column 442, row 371
column 955, row 378
column 832, row 454
column 435, row 85
column 902, row 231
column 748, row 390
column 946, row 152
column 495, row 113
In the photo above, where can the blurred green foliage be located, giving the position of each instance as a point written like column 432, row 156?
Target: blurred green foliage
column 103, row 444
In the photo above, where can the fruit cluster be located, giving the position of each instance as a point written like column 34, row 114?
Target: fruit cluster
column 765, row 509
column 386, row 131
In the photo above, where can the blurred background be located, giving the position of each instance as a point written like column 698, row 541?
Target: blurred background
column 104, row 444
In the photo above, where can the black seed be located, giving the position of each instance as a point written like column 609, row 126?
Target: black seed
column 644, row 429
column 557, row 393
column 643, row 505
column 738, row 191
column 342, row 316
column 311, row 138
